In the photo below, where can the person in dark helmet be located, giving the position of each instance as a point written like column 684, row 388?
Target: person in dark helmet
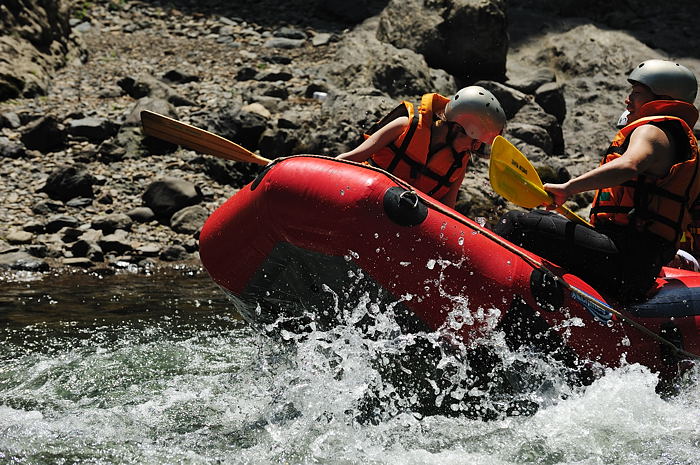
column 430, row 147
column 644, row 187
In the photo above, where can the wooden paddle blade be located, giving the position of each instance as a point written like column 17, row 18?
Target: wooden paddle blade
column 194, row 138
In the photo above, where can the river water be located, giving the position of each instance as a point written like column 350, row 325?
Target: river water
column 134, row 369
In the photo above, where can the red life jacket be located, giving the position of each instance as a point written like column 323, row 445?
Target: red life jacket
column 409, row 156
column 657, row 205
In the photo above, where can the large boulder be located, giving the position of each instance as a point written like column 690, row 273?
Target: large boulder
column 34, row 40
column 467, row 38
column 363, row 62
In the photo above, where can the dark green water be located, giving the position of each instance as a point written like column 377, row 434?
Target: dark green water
column 134, row 369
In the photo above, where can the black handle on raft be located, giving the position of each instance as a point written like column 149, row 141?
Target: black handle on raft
column 404, row 207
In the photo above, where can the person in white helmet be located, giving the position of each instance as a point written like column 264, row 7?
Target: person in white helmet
column 645, row 185
column 430, row 147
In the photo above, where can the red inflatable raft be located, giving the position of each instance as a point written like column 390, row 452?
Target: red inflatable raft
column 311, row 236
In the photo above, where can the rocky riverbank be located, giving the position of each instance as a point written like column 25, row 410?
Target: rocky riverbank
column 83, row 189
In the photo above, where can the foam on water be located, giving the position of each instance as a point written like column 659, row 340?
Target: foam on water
column 212, row 390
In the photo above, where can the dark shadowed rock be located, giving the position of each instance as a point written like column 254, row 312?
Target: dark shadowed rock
column 87, row 248
column 532, row 113
column 68, row 182
column 93, row 129
column 45, row 135
column 550, row 96
column 57, row 222
column 110, row 223
column 241, row 126
column 116, row 242
column 466, row 38
column 168, row 195
column 180, row 77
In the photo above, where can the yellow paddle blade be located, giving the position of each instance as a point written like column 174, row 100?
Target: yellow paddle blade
column 513, row 177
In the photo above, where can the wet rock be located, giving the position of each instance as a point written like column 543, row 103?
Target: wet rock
column 166, row 196
column 68, row 182
column 45, row 135
column 189, row 220
column 22, row 261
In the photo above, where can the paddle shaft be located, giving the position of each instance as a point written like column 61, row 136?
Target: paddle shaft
column 186, row 135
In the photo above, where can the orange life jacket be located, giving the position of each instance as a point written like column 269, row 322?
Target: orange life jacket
column 657, row 205
column 409, row 156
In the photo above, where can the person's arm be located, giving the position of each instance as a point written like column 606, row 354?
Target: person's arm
column 380, row 139
column 649, row 151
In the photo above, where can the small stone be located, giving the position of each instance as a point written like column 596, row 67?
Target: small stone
column 19, row 237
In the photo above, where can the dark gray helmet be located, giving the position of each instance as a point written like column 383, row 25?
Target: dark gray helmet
column 478, row 112
column 666, row 78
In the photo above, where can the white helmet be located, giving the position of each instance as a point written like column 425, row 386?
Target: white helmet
column 478, row 112
column 666, row 78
